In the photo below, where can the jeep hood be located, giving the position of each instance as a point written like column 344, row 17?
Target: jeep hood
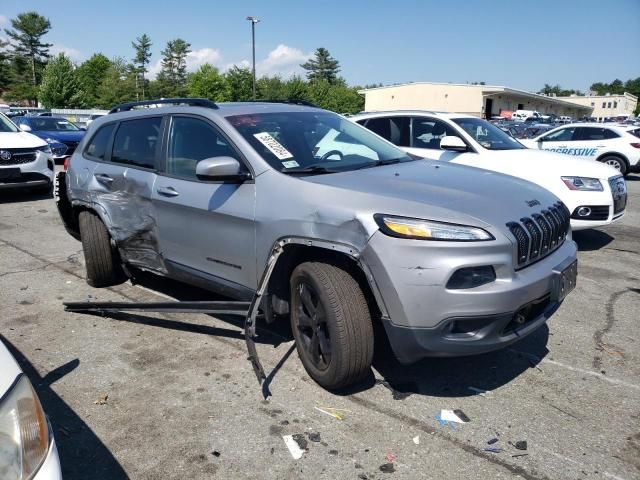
column 438, row 191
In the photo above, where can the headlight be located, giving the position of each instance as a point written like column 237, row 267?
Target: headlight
column 583, row 183
column 45, row 149
column 51, row 140
column 429, row 230
column 24, row 434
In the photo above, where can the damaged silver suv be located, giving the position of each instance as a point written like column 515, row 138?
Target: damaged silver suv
column 451, row 260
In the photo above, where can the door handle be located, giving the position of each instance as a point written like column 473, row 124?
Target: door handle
column 167, row 192
column 103, row 178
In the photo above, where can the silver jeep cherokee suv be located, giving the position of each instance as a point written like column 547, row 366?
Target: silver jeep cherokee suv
column 452, row 260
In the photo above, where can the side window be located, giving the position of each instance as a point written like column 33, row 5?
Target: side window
column 135, row 142
column 427, row 132
column 400, row 131
column 381, row 126
column 190, row 141
column 562, row 135
column 608, row 134
column 595, row 133
column 97, row 147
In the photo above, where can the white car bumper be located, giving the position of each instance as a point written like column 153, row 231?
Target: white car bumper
column 37, row 173
column 603, row 208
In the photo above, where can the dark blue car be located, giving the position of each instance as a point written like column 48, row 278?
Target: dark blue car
column 61, row 135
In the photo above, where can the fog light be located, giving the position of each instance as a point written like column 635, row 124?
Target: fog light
column 584, row 211
column 470, row 277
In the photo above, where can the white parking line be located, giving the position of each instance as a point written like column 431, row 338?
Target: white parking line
column 613, row 381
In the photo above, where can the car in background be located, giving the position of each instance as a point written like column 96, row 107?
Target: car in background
column 565, row 119
column 27, row 448
column 613, row 144
column 62, row 135
column 595, row 194
column 94, row 116
column 25, row 160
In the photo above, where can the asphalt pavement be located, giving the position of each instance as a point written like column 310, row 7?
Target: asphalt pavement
column 149, row 396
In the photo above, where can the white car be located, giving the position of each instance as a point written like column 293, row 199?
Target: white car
column 25, row 160
column 27, row 447
column 615, row 145
column 595, row 193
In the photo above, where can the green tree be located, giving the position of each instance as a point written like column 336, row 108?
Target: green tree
column 207, row 82
column 5, row 66
column 60, row 87
column 26, row 40
column 337, row 98
column 172, row 78
column 322, row 67
column 142, row 47
column 90, row 75
column 271, row 88
column 296, row 88
column 240, row 82
column 118, row 85
column 558, row 91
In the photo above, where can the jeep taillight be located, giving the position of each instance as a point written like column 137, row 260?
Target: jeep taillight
column 66, row 163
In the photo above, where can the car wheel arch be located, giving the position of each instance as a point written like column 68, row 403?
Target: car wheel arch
column 614, row 154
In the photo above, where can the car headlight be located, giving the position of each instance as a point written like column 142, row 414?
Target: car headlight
column 51, row 140
column 582, row 183
column 24, row 433
column 429, row 230
column 44, row 149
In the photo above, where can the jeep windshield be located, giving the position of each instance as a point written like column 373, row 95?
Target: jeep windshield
column 488, row 135
column 314, row 142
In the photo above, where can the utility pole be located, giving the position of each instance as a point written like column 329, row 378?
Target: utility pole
column 253, row 21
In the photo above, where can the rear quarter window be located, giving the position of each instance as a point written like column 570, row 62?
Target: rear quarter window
column 97, row 147
column 135, row 142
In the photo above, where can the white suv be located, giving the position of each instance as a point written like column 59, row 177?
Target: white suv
column 596, row 194
column 615, row 145
column 25, row 160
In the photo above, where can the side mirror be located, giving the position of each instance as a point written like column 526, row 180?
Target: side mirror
column 221, row 168
column 453, row 143
column 24, row 127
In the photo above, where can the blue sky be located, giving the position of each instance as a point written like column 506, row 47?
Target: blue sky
column 514, row 43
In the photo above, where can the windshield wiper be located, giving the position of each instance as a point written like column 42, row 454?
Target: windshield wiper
column 379, row 163
column 313, row 169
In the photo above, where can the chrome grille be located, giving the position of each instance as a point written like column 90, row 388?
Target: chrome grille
column 17, row 156
column 542, row 233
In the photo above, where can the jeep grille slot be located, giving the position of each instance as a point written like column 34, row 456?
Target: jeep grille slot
column 542, row 233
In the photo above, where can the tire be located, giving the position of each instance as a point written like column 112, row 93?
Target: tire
column 617, row 163
column 340, row 352
column 101, row 260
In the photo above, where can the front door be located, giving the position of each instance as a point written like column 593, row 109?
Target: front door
column 206, row 228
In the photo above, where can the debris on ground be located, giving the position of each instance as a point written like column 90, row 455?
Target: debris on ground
column 492, row 441
column 314, row 436
column 521, row 445
column 102, row 400
column 461, row 415
column 333, row 452
column 399, row 391
column 492, row 450
column 300, row 440
column 390, row 457
column 416, row 439
column 455, row 416
column 387, row 468
column 332, row 412
column 293, row 446
column 479, row 391
column 520, row 455
column 215, row 453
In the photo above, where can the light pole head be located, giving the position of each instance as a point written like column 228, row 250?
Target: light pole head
column 253, row 19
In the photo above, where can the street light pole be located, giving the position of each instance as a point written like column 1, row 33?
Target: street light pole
column 253, row 21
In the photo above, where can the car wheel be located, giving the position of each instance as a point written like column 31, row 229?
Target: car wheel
column 331, row 324
column 616, row 162
column 101, row 259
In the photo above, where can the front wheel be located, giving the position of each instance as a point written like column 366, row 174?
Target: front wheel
column 331, row 324
column 616, row 162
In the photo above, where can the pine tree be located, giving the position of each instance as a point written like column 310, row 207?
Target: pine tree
column 172, row 78
column 26, row 40
column 142, row 46
column 323, row 67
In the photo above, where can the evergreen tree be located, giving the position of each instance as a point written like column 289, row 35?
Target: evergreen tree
column 118, row 85
column 90, row 75
column 5, row 67
column 172, row 78
column 142, row 47
column 60, row 87
column 323, row 67
column 26, row 40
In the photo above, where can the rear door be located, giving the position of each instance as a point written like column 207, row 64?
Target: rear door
column 591, row 142
column 206, row 228
column 122, row 184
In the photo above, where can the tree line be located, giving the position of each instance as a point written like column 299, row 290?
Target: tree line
column 616, row 87
column 30, row 74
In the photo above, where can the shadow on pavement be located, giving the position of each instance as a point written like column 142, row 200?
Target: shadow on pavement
column 591, row 239
column 23, row 195
column 82, row 453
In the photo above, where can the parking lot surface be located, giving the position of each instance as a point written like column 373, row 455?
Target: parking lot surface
column 150, row 396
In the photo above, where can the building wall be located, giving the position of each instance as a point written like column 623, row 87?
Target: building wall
column 607, row 105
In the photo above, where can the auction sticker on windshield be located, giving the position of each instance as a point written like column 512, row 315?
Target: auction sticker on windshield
column 273, row 145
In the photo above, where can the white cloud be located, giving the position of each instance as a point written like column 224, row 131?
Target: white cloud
column 4, row 21
column 72, row 53
column 282, row 60
column 240, row 64
column 197, row 58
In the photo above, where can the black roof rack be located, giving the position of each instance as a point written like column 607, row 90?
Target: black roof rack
column 192, row 102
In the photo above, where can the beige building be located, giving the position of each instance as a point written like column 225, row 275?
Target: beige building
column 479, row 100
column 605, row 106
